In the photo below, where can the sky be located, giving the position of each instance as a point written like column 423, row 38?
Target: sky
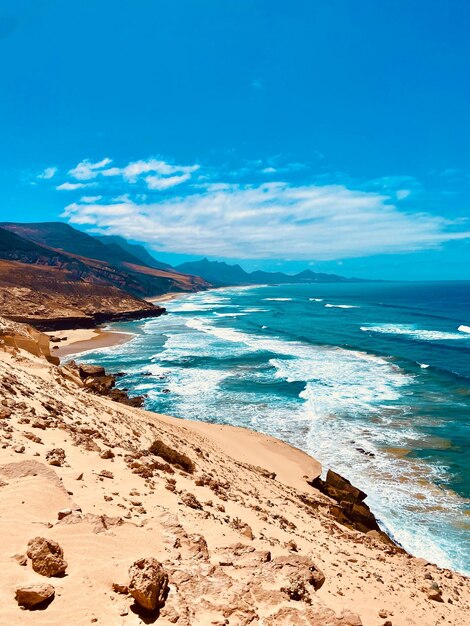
column 332, row 135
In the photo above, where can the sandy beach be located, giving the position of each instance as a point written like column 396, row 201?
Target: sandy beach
column 85, row 339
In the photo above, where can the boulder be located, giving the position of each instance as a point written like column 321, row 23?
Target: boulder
column 30, row 596
column 90, row 370
column 56, row 457
column 148, row 583
column 47, row 557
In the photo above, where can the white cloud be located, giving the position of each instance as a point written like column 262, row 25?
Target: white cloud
column 72, row 186
column 271, row 220
column 168, row 173
column 403, row 193
column 90, row 199
column 155, row 182
column 48, row 173
column 86, row 170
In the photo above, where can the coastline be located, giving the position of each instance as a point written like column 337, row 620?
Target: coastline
column 80, row 340
column 233, row 515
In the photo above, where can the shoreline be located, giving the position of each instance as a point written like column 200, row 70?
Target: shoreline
column 81, row 340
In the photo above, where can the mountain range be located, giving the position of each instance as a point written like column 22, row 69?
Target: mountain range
column 221, row 274
column 55, row 276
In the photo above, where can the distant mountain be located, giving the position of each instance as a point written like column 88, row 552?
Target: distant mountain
column 222, row 274
column 135, row 250
column 65, row 238
column 58, row 244
column 216, row 272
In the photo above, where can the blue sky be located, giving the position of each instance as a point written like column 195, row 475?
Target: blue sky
column 330, row 134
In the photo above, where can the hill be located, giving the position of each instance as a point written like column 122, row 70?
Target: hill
column 221, row 274
column 58, row 244
column 135, row 250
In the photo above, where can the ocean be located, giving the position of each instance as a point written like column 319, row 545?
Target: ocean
column 372, row 379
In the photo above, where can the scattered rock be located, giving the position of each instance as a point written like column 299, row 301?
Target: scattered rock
column 148, row 583
column 56, row 457
column 189, row 499
column 106, row 474
column 20, row 559
column 47, row 557
column 90, row 370
column 172, row 456
column 30, row 596
column 63, row 513
column 434, row 593
column 19, row 449
column 118, row 588
column 32, row 437
column 107, row 454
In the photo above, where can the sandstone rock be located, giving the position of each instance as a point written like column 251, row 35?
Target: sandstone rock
column 56, row 457
column 19, row 449
column 20, row 559
column 90, row 370
column 106, row 474
column 293, row 566
column 5, row 413
column 63, row 513
column 170, row 455
column 30, row 596
column 107, row 454
column 148, row 583
column 47, row 557
column 434, row 593
column 189, row 499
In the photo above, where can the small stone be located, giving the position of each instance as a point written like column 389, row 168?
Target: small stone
column 47, row 557
column 118, row 588
column 20, row 559
column 79, row 476
column 63, row 513
column 383, row 613
column 56, row 457
column 106, row 474
column 30, row 596
column 435, row 594
column 19, row 449
column 107, row 454
column 148, row 583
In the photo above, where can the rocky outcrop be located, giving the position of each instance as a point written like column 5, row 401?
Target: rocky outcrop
column 350, row 509
column 31, row 596
column 47, row 557
column 24, row 337
column 148, row 583
column 95, row 379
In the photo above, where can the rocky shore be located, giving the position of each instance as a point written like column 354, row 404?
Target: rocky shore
column 114, row 515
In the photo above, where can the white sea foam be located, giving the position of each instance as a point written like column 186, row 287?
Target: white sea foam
column 279, row 299
column 464, row 329
column 341, row 306
column 410, row 331
column 229, row 314
column 316, row 299
column 424, row 366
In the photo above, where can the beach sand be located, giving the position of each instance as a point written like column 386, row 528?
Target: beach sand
column 232, row 537
column 227, row 511
column 85, row 339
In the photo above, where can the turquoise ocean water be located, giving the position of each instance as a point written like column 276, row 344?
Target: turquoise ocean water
column 372, row 379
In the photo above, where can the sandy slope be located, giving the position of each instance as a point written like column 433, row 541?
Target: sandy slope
column 229, row 550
